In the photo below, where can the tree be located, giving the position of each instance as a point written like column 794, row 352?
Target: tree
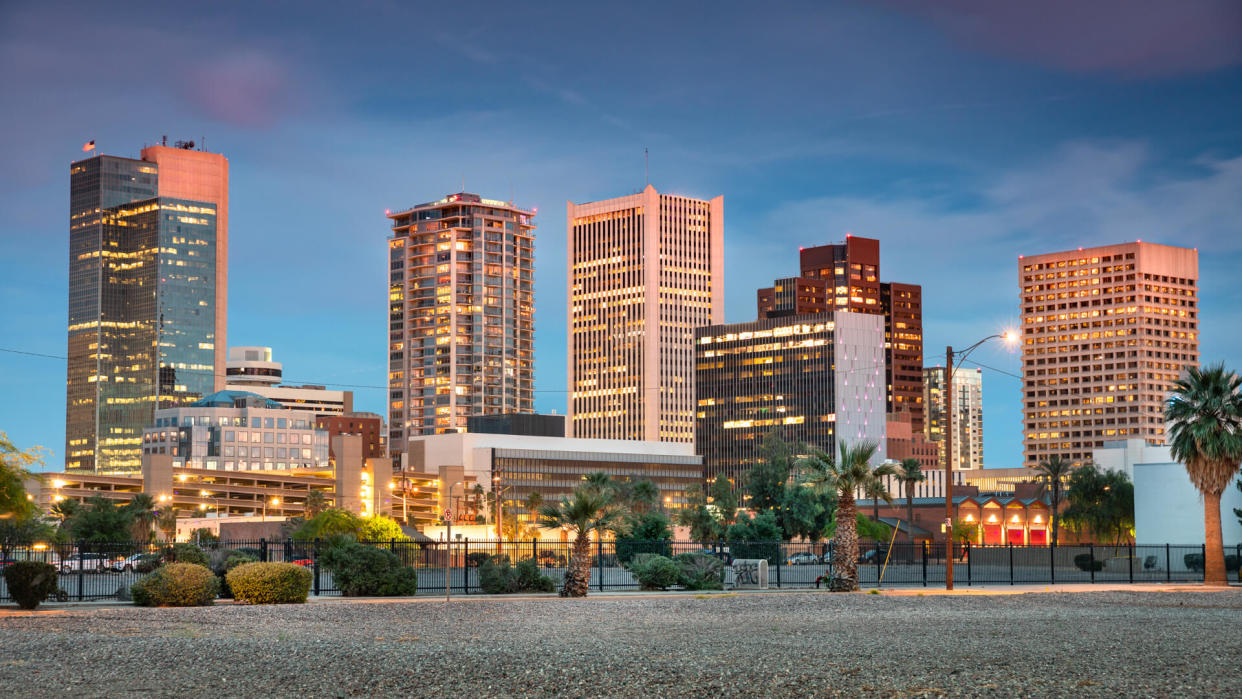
column 14, row 472
column 533, row 502
column 876, row 491
column 65, row 509
column 698, row 517
column 100, row 521
column 644, row 496
column 1204, row 418
column 852, row 472
column 1100, row 501
column 755, row 537
column 315, row 503
column 380, row 528
column 644, row 533
column 15, row 532
column 166, row 520
column 1053, row 472
column 330, row 522
column 589, row 510
column 142, row 518
column 723, row 500
column 804, row 512
column 910, row 472
column 765, row 483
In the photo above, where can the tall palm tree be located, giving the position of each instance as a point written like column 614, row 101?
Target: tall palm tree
column 167, row 522
column 1204, row 417
column 1053, row 472
column 589, row 510
column 877, row 491
column 644, row 495
column 851, row 472
column 315, row 503
column 910, row 472
column 142, row 510
column 533, row 502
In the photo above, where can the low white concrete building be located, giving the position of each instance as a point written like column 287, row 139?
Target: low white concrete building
column 1167, row 506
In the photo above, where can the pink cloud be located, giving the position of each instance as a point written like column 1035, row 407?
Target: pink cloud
column 1135, row 38
column 244, row 88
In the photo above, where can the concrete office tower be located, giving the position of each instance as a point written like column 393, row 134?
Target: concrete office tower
column 252, row 369
column 645, row 271
column 967, row 417
column 460, row 315
column 810, row 378
column 148, row 242
column 1105, row 333
column 848, row 277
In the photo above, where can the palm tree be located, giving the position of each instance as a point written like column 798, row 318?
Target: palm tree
column 167, row 522
column 852, row 472
column 910, row 472
column 142, row 509
column 533, row 502
column 599, row 481
column 644, row 495
column 1053, row 472
column 589, row 510
column 1204, row 417
column 877, row 491
column 315, row 503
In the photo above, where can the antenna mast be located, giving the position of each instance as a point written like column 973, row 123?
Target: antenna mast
column 646, row 168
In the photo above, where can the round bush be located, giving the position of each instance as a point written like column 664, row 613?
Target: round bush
column 176, row 585
column 186, row 553
column 269, row 583
column 655, row 572
column 30, row 582
column 361, row 570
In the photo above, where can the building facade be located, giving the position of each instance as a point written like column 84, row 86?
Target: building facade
column 461, row 314
column 1105, row 334
column 645, row 271
column 148, row 243
column 252, row 369
column 966, row 418
column 812, row 379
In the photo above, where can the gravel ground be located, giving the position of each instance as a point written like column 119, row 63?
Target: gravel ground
column 1088, row 644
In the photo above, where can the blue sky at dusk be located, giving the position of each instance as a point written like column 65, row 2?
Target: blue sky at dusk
column 960, row 136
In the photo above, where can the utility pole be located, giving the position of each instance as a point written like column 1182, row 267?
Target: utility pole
column 948, row 467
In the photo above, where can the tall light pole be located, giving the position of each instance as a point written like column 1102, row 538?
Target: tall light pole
column 951, row 361
column 448, row 538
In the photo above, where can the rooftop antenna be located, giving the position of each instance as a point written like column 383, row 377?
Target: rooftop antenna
column 463, row 183
column 646, row 168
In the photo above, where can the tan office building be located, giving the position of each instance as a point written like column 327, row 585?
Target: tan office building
column 1105, row 333
column 645, row 271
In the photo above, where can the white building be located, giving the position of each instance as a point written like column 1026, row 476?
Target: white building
column 252, row 369
column 1167, row 506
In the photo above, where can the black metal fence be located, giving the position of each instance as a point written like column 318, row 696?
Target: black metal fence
column 102, row 571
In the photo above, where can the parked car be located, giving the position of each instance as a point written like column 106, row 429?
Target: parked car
column 132, row 563
column 304, row 562
column 88, row 562
column 803, row 558
column 4, row 562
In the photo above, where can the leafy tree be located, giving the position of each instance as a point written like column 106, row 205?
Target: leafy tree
column 852, row 472
column 965, row 531
column 203, row 536
column 804, row 512
column 867, row 528
column 100, row 521
column 645, row 533
column 765, row 483
column 1053, row 473
column 724, row 501
column 143, row 516
column 380, row 528
column 589, row 511
column 755, row 537
column 14, row 471
column 702, row 523
column 1100, row 501
column 16, row 532
column 64, row 510
column 1204, row 417
column 330, row 522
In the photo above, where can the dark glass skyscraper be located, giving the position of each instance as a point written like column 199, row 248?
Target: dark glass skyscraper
column 143, row 306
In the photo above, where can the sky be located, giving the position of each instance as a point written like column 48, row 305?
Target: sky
column 961, row 134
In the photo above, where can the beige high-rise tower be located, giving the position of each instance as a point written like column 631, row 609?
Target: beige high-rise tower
column 645, row 271
column 967, row 417
column 1105, row 333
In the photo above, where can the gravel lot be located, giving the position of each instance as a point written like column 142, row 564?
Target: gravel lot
column 1094, row 643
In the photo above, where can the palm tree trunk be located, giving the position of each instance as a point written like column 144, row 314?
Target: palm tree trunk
column 910, row 522
column 1056, row 516
column 846, row 544
column 1214, row 550
column 578, row 579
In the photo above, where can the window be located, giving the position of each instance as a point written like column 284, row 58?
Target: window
column 228, row 435
column 281, row 437
column 282, row 423
column 306, row 439
column 267, row 422
column 281, row 453
column 268, row 452
column 256, row 452
column 229, row 451
column 255, row 422
column 268, row 438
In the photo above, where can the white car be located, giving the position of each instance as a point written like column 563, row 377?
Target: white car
column 89, row 562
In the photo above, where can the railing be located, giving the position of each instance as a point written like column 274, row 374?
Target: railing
column 91, row 571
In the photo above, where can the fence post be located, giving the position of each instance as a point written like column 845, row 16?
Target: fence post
column 1011, row 563
column 1131, row 563
column 465, row 565
column 924, row 564
column 1091, row 551
column 263, row 549
column 392, row 545
column 315, row 563
column 778, row 568
column 969, row 577
column 1203, row 553
column 81, row 573
column 878, row 565
column 599, row 560
column 1168, row 565
column 1052, row 563
column 534, row 550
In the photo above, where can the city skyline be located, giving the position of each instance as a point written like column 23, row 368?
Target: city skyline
column 1039, row 150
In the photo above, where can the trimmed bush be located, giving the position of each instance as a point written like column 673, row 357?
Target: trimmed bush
column 1083, row 562
column 364, row 570
column 531, row 580
column 478, row 558
column 654, row 572
column 176, row 585
column 224, row 560
column 1194, row 561
column 269, row 583
column 148, row 562
column 497, row 577
column 30, row 582
column 700, row 571
column 186, row 553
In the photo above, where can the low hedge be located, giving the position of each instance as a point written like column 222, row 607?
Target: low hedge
column 269, row 583
column 654, row 572
column 30, row 582
column 176, row 585
column 700, row 571
column 1084, row 563
column 364, row 570
column 1194, row 561
column 497, row 577
column 186, row 553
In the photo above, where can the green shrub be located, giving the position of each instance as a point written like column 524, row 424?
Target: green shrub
column 186, row 553
column 30, row 582
column 497, row 577
column 477, row 558
column 224, row 560
column 1194, row 561
column 269, row 583
column 648, row 533
column 654, row 572
column 365, row 570
column 700, row 571
column 1084, row 563
column 148, row 562
column 176, row 585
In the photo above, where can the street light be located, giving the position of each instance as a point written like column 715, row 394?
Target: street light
column 275, row 502
column 952, row 359
column 498, row 492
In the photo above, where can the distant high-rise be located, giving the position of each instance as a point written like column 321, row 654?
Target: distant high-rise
column 460, row 315
column 846, row 277
column 967, row 417
column 1105, row 334
column 148, row 276
column 645, row 271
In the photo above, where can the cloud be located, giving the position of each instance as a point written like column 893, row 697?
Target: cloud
column 242, row 87
column 1135, row 38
